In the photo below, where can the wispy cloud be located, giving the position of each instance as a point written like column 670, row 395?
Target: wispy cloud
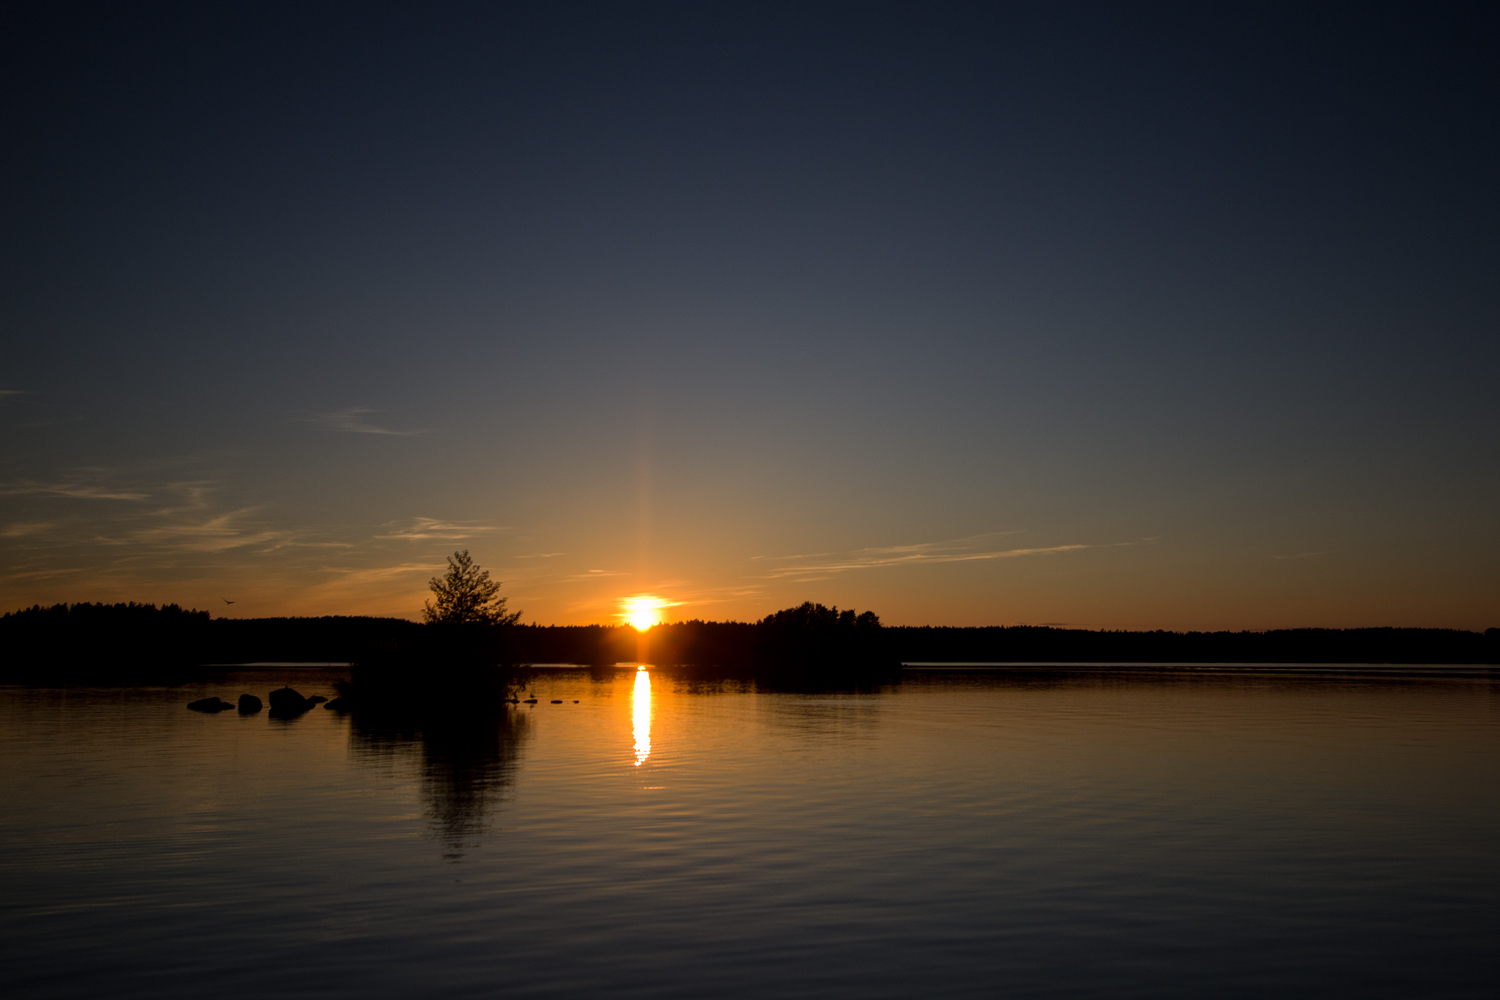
column 84, row 491
column 376, row 574
column 353, row 421
column 49, row 573
column 593, row 574
column 424, row 528
column 1301, row 555
column 542, row 555
column 395, row 589
column 216, row 533
column 173, row 527
column 185, row 519
column 977, row 548
column 27, row 529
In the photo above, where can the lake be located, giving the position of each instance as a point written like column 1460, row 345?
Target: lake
column 1031, row 833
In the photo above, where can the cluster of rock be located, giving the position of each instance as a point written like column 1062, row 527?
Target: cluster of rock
column 285, row 702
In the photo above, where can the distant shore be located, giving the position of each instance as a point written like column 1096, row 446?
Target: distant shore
column 118, row 638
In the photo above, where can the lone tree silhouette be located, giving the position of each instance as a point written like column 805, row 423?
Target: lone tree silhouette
column 466, row 596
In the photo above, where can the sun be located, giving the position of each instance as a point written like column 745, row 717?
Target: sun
column 643, row 610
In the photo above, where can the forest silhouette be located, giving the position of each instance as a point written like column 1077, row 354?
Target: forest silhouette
column 118, row 643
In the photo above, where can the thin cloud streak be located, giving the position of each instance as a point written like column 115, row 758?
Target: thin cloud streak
column 79, row 490
column 925, row 553
column 216, row 534
column 593, row 574
column 423, row 528
column 27, row 529
column 347, row 577
column 394, row 589
column 352, row 421
column 955, row 545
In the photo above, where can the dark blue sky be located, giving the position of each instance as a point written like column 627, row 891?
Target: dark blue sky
column 1179, row 316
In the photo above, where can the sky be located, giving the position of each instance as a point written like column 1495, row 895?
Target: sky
column 1107, row 316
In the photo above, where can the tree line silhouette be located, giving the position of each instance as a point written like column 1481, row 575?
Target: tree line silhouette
column 123, row 641
column 467, row 632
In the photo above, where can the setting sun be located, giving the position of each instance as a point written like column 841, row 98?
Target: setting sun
column 642, row 611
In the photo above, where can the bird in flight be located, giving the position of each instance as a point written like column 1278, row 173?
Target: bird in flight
column 226, row 600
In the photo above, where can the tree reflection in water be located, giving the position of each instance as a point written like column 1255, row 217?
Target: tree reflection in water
column 467, row 757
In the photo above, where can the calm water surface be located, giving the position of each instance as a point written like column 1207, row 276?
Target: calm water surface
column 960, row 834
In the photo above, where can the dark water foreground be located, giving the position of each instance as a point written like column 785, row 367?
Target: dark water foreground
column 1046, row 833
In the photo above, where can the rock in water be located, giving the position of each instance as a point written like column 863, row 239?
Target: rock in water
column 337, row 704
column 285, row 701
column 249, row 704
column 316, row 699
column 209, row 705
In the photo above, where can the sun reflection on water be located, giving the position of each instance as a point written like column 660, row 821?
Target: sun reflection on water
column 641, row 713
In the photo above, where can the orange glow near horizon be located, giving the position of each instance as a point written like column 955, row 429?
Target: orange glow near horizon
column 643, row 610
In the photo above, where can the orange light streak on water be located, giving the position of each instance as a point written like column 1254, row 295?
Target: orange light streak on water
column 641, row 714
